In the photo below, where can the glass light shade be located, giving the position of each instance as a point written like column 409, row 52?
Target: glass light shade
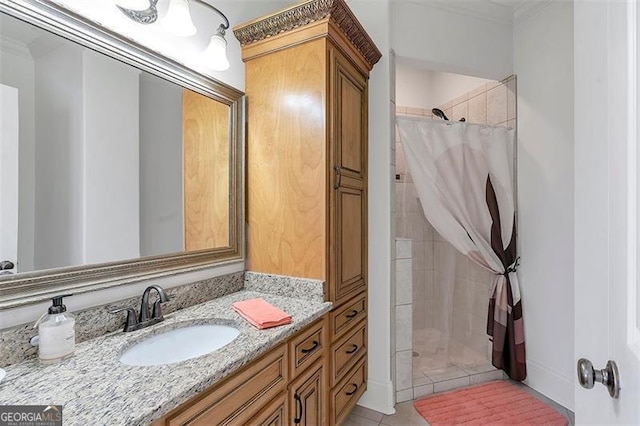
column 215, row 55
column 178, row 19
column 133, row 4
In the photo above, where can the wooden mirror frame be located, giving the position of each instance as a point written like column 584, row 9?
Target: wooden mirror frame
column 37, row 286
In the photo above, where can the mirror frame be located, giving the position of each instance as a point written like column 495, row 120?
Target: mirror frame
column 37, row 286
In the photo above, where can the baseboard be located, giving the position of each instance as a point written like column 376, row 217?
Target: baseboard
column 378, row 397
column 551, row 384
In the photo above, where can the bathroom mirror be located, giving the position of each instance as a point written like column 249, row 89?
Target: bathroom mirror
column 116, row 162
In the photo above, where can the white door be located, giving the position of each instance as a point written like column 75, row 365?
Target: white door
column 8, row 175
column 607, row 193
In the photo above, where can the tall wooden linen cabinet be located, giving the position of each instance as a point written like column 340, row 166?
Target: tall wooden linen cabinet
column 307, row 69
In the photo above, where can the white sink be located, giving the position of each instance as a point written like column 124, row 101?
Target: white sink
column 179, row 344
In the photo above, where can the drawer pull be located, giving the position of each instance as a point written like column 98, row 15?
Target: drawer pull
column 353, row 314
column 311, row 349
column 355, row 388
column 355, row 348
column 298, row 417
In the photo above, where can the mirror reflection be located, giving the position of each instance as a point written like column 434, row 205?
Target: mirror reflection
column 102, row 162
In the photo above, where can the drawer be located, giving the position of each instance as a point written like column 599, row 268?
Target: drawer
column 238, row 398
column 347, row 315
column 348, row 392
column 347, row 351
column 307, row 347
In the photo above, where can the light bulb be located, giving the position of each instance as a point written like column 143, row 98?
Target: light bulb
column 178, row 19
column 215, row 55
column 134, row 4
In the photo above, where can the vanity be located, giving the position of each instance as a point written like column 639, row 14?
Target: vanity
column 276, row 373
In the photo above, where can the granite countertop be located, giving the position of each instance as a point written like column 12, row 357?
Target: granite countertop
column 95, row 388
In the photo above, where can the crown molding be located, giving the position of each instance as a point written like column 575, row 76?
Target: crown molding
column 306, row 13
column 46, row 44
column 483, row 10
column 15, row 47
column 527, row 9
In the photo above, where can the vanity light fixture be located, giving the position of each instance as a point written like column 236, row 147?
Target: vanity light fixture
column 178, row 21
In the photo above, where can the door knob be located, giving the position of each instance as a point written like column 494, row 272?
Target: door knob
column 6, row 266
column 609, row 376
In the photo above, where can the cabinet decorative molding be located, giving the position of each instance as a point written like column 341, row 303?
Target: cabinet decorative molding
column 305, row 13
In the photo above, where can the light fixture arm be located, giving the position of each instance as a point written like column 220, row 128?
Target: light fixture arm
column 145, row 17
column 225, row 25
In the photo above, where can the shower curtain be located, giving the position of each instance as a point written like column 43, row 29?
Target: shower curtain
column 463, row 175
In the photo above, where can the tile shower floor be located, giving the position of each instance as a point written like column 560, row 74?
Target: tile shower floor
column 439, row 365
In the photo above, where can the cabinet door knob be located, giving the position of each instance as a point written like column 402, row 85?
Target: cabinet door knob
column 355, row 348
column 339, row 173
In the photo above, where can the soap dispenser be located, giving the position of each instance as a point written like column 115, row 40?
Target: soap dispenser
column 57, row 333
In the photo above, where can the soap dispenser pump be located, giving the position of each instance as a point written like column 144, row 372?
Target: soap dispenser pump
column 56, row 330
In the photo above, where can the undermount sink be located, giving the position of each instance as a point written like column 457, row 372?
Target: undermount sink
column 179, row 344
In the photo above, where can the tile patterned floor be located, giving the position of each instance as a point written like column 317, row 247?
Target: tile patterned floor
column 406, row 415
column 440, row 358
column 440, row 364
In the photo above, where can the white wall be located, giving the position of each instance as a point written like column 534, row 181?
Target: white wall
column 17, row 70
column 110, row 175
column 58, row 205
column 9, row 164
column 86, row 159
column 454, row 42
column 422, row 88
column 374, row 16
column 161, row 212
column 543, row 62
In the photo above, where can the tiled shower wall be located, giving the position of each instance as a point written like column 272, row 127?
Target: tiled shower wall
column 403, row 363
column 434, row 261
column 492, row 103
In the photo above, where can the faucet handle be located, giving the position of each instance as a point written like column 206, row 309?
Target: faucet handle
column 131, row 321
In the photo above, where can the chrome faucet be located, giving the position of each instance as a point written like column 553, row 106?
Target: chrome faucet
column 144, row 308
column 145, row 320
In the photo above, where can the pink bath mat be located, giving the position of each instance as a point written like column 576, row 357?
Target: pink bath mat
column 494, row 403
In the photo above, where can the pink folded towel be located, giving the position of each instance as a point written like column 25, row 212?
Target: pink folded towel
column 261, row 314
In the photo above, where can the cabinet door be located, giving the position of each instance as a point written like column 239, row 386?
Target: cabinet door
column 274, row 414
column 348, row 205
column 307, row 397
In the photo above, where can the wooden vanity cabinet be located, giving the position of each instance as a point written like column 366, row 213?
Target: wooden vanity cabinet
column 277, row 389
column 237, row 399
column 307, row 71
